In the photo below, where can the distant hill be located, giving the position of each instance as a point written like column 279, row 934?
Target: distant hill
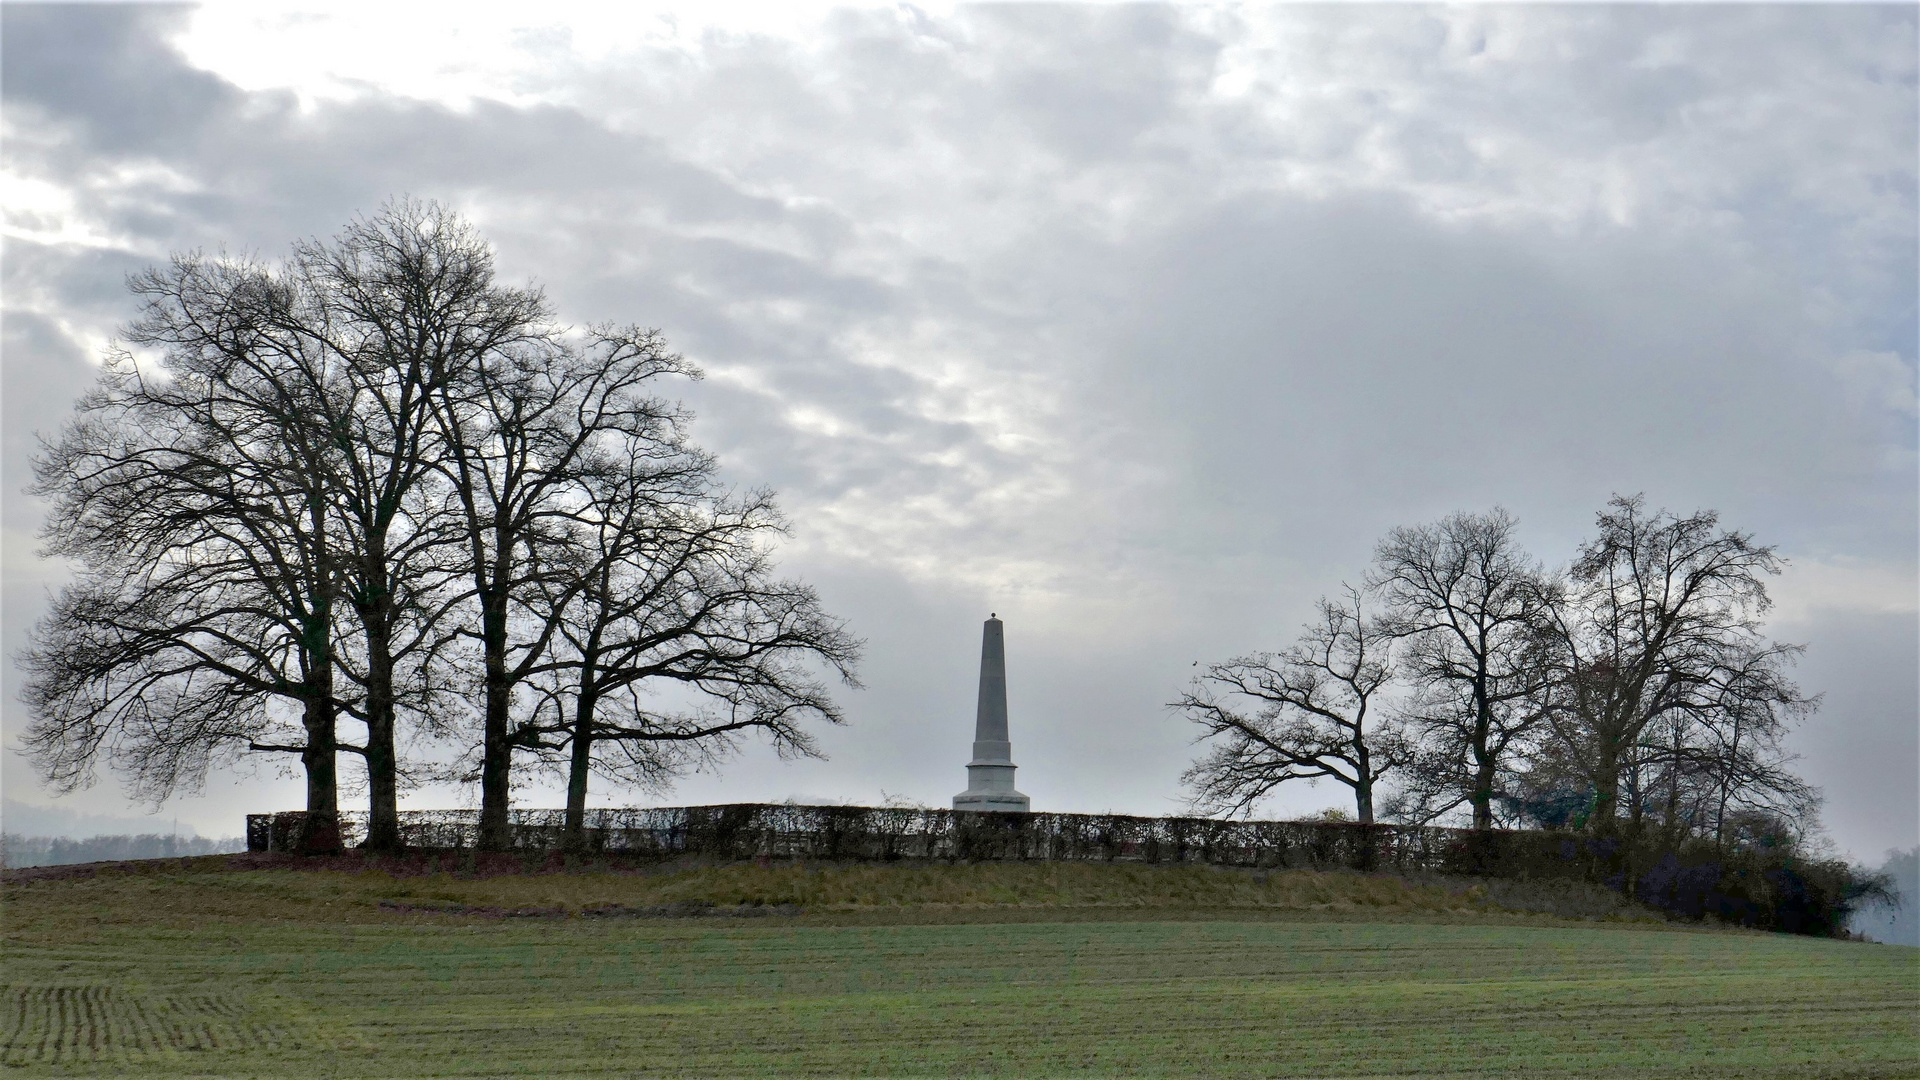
column 56, row 836
column 18, row 851
column 1895, row 924
column 27, row 819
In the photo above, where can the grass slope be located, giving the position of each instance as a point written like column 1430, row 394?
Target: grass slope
column 184, row 970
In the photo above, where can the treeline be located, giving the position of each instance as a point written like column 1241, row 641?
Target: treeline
column 371, row 501
column 1631, row 691
column 17, row 851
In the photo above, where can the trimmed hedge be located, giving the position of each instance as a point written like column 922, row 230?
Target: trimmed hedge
column 1766, row 888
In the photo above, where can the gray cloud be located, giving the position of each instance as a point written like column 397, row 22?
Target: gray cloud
column 1137, row 324
column 109, row 73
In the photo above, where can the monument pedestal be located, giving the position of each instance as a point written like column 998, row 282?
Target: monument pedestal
column 990, row 787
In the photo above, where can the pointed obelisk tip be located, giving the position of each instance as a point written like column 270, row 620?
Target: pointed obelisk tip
column 990, row 773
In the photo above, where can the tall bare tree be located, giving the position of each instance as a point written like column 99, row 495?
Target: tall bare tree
column 681, row 641
column 1744, row 770
column 343, row 472
column 531, row 434
column 1311, row 711
column 192, row 498
column 1661, row 656
column 1470, row 609
column 403, row 304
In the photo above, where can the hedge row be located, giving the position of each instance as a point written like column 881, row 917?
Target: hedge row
column 1768, row 888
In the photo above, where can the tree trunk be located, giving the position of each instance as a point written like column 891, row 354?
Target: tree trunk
column 321, row 758
column 1485, row 765
column 1483, row 795
column 584, row 707
column 496, row 762
column 322, row 830
column 578, row 770
column 1606, row 793
column 383, row 762
column 1363, row 784
column 375, row 608
column 383, row 779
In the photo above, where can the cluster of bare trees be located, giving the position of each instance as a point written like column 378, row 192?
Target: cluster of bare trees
column 372, row 501
column 1634, row 688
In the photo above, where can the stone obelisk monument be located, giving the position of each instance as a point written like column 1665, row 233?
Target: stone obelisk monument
column 990, row 773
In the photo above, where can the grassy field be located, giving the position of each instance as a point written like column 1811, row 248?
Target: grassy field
column 938, row 971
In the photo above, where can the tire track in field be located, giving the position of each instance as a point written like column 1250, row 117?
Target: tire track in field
column 49, row 1025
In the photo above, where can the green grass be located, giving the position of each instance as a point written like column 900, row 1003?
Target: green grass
column 933, row 971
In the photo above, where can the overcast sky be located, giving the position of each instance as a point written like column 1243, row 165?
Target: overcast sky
column 1137, row 325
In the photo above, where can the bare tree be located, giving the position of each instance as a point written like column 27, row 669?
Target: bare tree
column 681, row 641
column 347, row 476
column 529, row 434
column 402, row 304
column 1744, row 769
column 192, row 499
column 1663, row 667
column 1469, row 607
column 1311, row 711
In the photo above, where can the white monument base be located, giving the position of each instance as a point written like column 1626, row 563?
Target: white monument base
column 990, row 787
